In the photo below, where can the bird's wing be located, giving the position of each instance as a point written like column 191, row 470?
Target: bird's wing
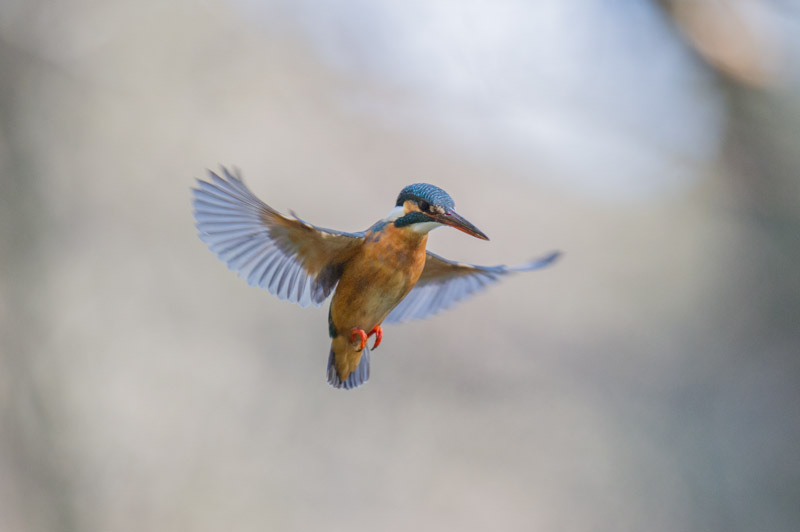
column 292, row 259
column 444, row 283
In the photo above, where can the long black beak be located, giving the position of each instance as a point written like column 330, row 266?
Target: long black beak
column 453, row 219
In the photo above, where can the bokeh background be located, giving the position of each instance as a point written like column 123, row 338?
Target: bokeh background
column 648, row 381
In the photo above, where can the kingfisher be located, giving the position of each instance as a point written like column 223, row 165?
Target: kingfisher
column 381, row 275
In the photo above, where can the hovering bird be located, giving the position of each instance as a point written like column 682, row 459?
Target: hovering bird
column 381, row 275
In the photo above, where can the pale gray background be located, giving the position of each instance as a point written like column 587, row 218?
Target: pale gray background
column 648, row 381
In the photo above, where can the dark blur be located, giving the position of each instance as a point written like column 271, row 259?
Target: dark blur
column 646, row 382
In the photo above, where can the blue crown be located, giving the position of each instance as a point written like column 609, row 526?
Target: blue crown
column 424, row 191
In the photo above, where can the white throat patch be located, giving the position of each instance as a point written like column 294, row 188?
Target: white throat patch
column 424, row 227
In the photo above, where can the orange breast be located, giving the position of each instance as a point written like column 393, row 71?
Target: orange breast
column 378, row 278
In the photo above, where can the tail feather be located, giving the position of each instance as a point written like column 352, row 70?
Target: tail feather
column 358, row 377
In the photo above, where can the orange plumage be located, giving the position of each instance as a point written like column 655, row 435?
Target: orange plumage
column 372, row 284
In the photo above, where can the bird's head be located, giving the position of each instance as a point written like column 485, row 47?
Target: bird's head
column 423, row 207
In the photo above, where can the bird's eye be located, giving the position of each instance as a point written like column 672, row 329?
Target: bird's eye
column 424, row 206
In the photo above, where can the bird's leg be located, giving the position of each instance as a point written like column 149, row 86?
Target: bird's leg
column 357, row 333
column 378, row 332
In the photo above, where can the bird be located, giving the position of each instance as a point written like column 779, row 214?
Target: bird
column 379, row 276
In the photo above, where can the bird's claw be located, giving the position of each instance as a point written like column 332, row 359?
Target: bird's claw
column 361, row 335
column 378, row 332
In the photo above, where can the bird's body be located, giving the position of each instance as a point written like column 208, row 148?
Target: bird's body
column 372, row 284
column 381, row 275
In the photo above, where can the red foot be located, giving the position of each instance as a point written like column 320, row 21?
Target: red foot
column 356, row 333
column 378, row 332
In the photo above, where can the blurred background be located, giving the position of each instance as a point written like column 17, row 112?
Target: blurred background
column 647, row 381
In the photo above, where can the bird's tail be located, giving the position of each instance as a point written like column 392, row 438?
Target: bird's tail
column 352, row 365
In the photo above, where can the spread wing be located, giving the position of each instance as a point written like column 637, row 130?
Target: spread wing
column 444, row 283
column 292, row 259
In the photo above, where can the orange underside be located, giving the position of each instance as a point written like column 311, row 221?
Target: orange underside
column 372, row 284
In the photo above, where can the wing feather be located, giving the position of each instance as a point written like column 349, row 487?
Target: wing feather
column 291, row 258
column 444, row 283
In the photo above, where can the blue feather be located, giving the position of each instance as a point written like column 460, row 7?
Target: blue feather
column 355, row 379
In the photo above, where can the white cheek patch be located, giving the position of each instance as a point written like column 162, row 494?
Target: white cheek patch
column 424, row 227
column 394, row 214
